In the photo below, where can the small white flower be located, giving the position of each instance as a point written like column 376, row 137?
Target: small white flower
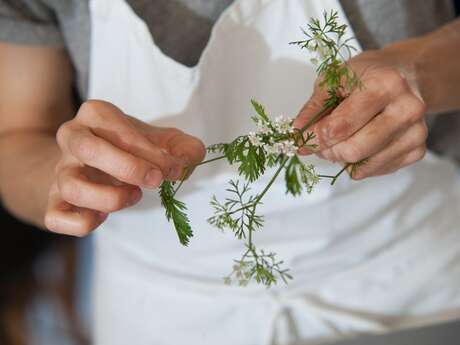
column 289, row 148
column 263, row 128
column 283, row 124
column 269, row 148
column 255, row 139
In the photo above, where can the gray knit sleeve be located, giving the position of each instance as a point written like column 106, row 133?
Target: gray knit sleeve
column 28, row 22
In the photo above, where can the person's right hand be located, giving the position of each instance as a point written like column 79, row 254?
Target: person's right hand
column 107, row 156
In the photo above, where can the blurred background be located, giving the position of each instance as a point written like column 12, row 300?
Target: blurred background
column 39, row 272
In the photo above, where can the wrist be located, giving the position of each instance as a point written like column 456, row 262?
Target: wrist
column 408, row 57
column 431, row 64
column 27, row 173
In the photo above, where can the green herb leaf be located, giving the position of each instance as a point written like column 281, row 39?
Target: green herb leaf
column 175, row 211
column 260, row 110
column 275, row 144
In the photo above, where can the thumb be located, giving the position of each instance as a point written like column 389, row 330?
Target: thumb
column 312, row 108
column 310, row 114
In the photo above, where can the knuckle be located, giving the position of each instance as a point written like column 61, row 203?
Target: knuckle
column 418, row 134
column 416, row 109
column 88, row 109
column 335, row 129
column 422, row 132
column 374, row 89
column 130, row 170
column 91, row 106
column 393, row 80
column 70, row 191
column 95, row 109
column 418, row 154
column 84, row 147
column 419, row 106
column 115, row 202
column 348, row 153
column 63, row 133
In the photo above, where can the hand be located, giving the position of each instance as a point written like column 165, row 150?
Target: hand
column 107, row 157
column 382, row 121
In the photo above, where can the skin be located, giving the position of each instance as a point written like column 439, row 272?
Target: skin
column 68, row 172
column 385, row 119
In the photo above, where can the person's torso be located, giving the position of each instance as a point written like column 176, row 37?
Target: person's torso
column 181, row 28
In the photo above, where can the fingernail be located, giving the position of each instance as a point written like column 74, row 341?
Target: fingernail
column 102, row 216
column 183, row 159
column 135, row 196
column 176, row 173
column 303, row 151
column 153, row 178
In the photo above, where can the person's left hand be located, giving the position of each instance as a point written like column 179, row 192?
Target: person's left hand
column 383, row 121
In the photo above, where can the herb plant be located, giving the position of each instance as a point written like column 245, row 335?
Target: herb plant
column 274, row 144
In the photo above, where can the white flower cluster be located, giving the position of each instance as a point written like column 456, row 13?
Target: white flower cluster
column 241, row 274
column 281, row 125
column 287, row 147
column 322, row 50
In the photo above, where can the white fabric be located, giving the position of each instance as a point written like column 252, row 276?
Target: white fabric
column 366, row 256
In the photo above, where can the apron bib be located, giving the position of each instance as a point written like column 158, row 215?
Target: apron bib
column 358, row 251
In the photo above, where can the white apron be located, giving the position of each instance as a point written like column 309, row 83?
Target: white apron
column 368, row 256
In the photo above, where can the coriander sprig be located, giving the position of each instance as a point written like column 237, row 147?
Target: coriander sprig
column 175, row 211
column 327, row 40
column 274, row 144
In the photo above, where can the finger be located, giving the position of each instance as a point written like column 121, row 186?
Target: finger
column 410, row 158
column 100, row 154
column 110, row 123
column 396, row 118
column 76, row 189
column 312, row 108
column 407, row 159
column 414, row 138
column 350, row 116
column 63, row 218
column 187, row 148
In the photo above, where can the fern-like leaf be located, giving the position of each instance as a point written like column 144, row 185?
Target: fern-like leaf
column 175, row 212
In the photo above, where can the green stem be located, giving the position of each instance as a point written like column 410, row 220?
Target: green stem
column 188, row 168
column 207, row 161
column 261, row 195
column 318, row 116
column 326, row 176
column 312, row 121
column 334, row 180
column 250, row 229
column 278, row 171
column 182, row 179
